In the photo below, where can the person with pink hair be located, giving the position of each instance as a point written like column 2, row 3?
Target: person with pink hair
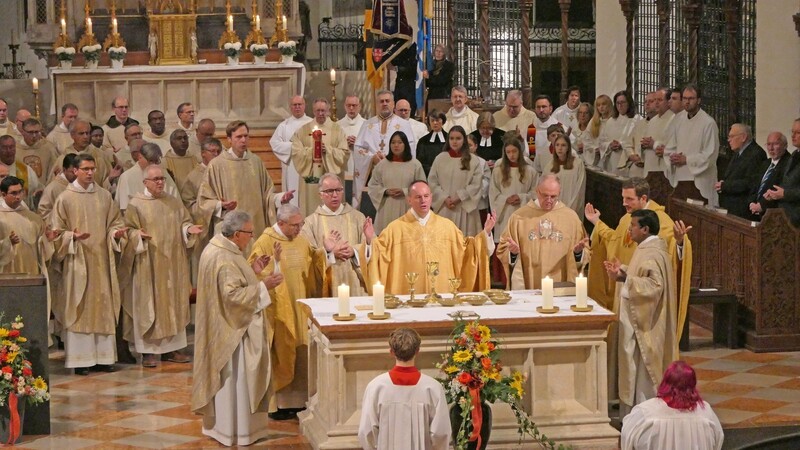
column 676, row 418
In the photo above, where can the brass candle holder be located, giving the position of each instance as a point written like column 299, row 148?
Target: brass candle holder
column 432, row 268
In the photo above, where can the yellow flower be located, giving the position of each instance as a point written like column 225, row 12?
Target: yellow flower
column 6, row 342
column 462, row 356
column 3, row 332
column 40, row 384
column 22, row 339
column 451, row 369
column 517, row 386
column 518, row 376
column 11, row 357
column 482, row 348
column 486, row 334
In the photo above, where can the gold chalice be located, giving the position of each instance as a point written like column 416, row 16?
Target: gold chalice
column 455, row 283
column 412, row 278
column 432, row 268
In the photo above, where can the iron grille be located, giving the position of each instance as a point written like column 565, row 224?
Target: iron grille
column 41, row 11
column 504, row 48
column 269, row 8
column 646, row 53
column 342, row 43
column 747, row 76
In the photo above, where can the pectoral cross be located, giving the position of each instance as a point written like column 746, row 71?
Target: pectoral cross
column 381, row 146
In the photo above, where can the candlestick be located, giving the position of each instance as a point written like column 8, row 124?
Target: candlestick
column 35, row 84
column 230, row 22
column 258, row 22
column 89, row 25
column 285, row 25
column 581, row 293
column 377, row 299
column 63, row 26
column 547, row 293
column 113, row 26
column 333, row 75
column 344, row 300
column 317, row 135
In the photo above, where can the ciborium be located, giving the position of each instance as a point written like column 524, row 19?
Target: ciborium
column 432, row 268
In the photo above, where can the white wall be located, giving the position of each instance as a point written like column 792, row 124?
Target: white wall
column 777, row 67
column 610, row 62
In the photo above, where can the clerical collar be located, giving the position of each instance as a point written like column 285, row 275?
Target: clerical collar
column 80, row 188
column 63, row 177
column 232, row 153
column 405, row 376
column 486, row 141
column 353, row 120
column 277, row 229
column 649, row 238
column 148, row 194
column 335, row 213
column 456, row 113
column 4, row 205
column 63, row 127
column 385, row 118
column 114, row 123
column 422, row 220
column 437, row 135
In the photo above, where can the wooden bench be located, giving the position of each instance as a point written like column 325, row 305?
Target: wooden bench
column 725, row 317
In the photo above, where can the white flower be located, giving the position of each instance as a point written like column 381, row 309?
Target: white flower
column 91, row 48
column 7, row 375
column 259, row 47
column 287, row 44
column 118, row 50
column 69, row 50
column 60, row 50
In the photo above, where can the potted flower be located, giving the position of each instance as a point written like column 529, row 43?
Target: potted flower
column 65, row 56
column 117, row 56
column 471, row 373
column 92, row 55
column 288, row 49
column 232, row 51
column 259, row 52
column 17, row 379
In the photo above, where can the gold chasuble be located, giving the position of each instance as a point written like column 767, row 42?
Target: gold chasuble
column 242, row 179
column 646, row 318
column 103, row 161
column 405, row 246
column 303, row 269
column 159, row 273
column 608, row 243
column 334, row 159
column 200, row 216
column 227, row 305
column 179, row 166
column 29, row 255
column 89, row 300
column 349, row 222
column 51, row 192
column 546, row 240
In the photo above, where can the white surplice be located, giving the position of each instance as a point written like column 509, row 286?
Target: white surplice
column 281, row 143
column 653, row 425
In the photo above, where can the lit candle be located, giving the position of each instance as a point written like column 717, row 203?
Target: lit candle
column 114, row 26
column 285, row 24
column 581, row 291
column 344, row 300
column 377, row 299
column 35, row 84
column 258, row 22
column 547, row 293
column 63, row 26
column 230, row 22
column 333, row 75
column 88, row 25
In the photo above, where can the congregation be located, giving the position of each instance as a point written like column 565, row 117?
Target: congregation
column 126, row 219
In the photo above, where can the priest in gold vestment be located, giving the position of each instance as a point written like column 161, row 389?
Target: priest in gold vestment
column 543, row 238
column 80, row 130
column 26, row 233
column 156, row 264
column 238, row 180
column 352, row 252
column 231, row 378
column 647, row 296
column 57, row 185
column 177, row 160
column 90, row 230
column 422, row 236
column 303, row 267
column 333, row 157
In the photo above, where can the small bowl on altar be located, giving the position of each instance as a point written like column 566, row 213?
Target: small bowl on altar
column 449, row 301
column 498, row 300
column 498, row 296
column 391, row 301
column 417, row 303
column 474, row 300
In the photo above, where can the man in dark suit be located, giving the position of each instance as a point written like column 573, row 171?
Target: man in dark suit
column 741, row 178
column 788, row 193
column 772, row 172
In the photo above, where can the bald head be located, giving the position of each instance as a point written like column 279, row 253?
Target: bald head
column 548, row 190
column 206, row 129
column 298, row 106
column 403, row 109
column 22, row 116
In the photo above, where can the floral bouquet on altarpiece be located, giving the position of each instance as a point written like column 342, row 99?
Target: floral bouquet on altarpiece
column 288, row 48
column 471, row 373
column 91, row 52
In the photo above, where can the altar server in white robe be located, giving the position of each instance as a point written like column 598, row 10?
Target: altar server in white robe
column 403, row 109
column 567, row 113
column 372, row 144
column 231, row 378
column 543, row 108
column 351, row 125
column 281, row 143
column 676, row 418
column 460, row 114
column 404, row 409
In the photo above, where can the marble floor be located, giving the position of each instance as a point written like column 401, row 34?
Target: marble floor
column 137, row 408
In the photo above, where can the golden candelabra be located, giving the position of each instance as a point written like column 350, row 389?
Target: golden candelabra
column 88, row 35
column 281, row 34
column 63, row 39
column 113, row 39
column 229, row 36
column 255, row 36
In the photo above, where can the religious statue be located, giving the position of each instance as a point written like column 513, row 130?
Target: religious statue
column 193, row 39
column 152, row 43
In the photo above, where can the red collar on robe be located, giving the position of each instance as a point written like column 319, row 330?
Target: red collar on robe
column 454, row 153
column 405, row 376
column 513, row 164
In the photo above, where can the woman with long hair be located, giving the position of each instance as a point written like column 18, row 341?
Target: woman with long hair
column 594, row 142
column 456, row 180
column 513, row 180
column 388, row 186
column 580, row 133
column 433, row 143
column 570, row 170
column 676, row 418
column 619, row 135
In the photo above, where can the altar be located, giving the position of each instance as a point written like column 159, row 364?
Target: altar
column 563, row 356
column 258, row 94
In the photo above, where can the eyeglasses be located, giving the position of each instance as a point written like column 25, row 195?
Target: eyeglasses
column 297, row 225
column 87, row 169
column 121, row 107
column 33, row 132
column 333, row 191
column 157, row 179
column 245, row 231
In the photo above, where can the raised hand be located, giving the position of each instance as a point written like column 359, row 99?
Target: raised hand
column 680, row 230
column 78, row 236
column 272, row 281
column 51, row 234
column 229, row 205
column 614, row 269
column 583, row 243
column 591, row 214
column 276, row 251
column 287, row 197
column 195, row 229
column 369, row 230
column 513, row 247
column 14, row 238
column 491, row 220
column 121, row 232
column 260, row 263
column 331, row 241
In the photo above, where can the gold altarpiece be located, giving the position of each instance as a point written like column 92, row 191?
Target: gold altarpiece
column 173, row 25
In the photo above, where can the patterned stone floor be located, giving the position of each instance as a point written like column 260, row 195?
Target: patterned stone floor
column 137, row 408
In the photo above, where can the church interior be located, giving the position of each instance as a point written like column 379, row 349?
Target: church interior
column 742, row 331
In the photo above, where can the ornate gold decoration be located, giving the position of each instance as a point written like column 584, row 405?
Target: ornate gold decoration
column 172, row 24
column 113, row 39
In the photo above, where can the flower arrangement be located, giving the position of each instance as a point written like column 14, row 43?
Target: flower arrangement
column 91, row 52
column 259, row 49
column 288, row 48
column 16, row 374
column 232, row 49
column 471, row 372
column 65, row 53
column 117, row 53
